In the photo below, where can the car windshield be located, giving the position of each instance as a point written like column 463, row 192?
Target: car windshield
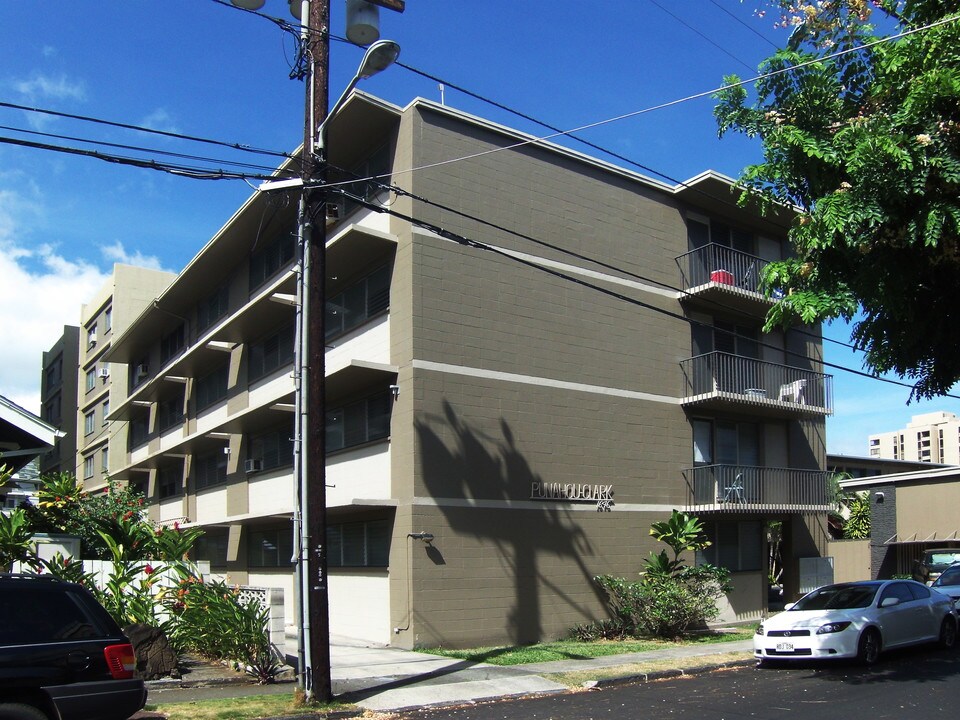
column 838, row 597
column 942, row 558
column 950, row 577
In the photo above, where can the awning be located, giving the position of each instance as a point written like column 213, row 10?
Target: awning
column 918, row 538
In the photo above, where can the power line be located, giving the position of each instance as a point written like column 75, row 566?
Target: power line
column 138, row 128
column 181, row 170
column 705, row 37
column 678, row 101
column 748, row 27
column 184, row 156
column 478, row 245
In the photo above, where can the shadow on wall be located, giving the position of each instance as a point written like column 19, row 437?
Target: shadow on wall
column 462, row 463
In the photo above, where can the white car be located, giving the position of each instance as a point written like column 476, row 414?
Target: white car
column 857, row 620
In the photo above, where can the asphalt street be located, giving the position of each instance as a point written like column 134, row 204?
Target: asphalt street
column 920, row 682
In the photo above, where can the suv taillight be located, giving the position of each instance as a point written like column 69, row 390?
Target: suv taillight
column 120, row 660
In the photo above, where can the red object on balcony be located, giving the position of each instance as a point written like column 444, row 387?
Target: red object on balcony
column 722, row 276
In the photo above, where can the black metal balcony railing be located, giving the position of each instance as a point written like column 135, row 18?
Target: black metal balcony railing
column 733, row 377
column 720, row 264
column 742, row 488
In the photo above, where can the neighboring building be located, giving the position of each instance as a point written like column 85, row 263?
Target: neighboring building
column 532, row 425
column 930, row 438
column 22, row 487
column 23, row 436
column 854, row 467
column 58, row 400
column 101, row 445
column 910, row 512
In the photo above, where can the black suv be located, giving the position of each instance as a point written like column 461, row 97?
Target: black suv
column 62, row 657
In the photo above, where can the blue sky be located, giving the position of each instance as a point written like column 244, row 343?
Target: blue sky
column 200, row 68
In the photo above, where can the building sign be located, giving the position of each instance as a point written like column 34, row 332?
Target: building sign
column 602, row 495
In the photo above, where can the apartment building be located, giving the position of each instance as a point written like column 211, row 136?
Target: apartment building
column 58, row 400
column 929, row 438
column 101, row 446
column 532, row 355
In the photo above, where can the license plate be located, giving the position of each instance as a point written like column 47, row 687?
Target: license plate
column 784, row 647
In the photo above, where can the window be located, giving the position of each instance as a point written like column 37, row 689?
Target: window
column 359, row 544
column 272, row 352
column 108, row 319
column 358, row 303
column 170, row 412
column 212, row 387
column 88, row 467
column 55, row 373
column 91, row 336
column 51, row 410
column 210, row 468
column 273, row 449
column 740, row 340
column 213, row 308
column 139, row 430
column 737, row 546
column 104, row 460
column 140, row 371
column 171, row 344
column 270, row 548
column 212, row 546
column 105, row 410
column 169, row 481
column 91, row 379
column 360, row 422
column 700, row 233
column 265, row 263
column 89, row 423
column 726, row 443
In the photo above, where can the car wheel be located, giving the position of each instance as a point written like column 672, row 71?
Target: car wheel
column 868, row 650
column 19, row 711
column 948, row 633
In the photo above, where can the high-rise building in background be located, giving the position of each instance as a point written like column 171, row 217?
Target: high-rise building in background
column 101, row 445
column 58, row 400
column 931, row 437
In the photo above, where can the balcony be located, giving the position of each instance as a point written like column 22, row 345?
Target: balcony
column 745, row 489
column 715, row 275
column 721, row 380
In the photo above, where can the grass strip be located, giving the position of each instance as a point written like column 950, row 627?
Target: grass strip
column 578, row 650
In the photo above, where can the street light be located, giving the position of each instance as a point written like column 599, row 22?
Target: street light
column 379, row 56
column 310, row 422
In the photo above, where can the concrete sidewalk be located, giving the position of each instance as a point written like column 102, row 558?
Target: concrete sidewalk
column 385, row 678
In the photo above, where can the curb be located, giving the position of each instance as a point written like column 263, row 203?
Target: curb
column 666, row 674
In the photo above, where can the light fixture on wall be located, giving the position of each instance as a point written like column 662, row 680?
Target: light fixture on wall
column 879, row 497
column 425, row 536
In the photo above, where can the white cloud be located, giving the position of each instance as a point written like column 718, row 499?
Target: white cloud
column 160, row 119
column 41, row 291
column 117, row 253
column 43, row 87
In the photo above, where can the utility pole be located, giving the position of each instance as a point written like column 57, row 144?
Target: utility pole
column 317, row 685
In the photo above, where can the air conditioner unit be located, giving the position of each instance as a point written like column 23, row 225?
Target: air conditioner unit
column 141, row 370
column 103, row 373
column 253, row 465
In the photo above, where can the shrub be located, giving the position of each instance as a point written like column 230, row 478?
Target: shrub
column 664, row 606
column 211, row 618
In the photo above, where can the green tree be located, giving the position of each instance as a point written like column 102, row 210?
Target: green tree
column 866, row 144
